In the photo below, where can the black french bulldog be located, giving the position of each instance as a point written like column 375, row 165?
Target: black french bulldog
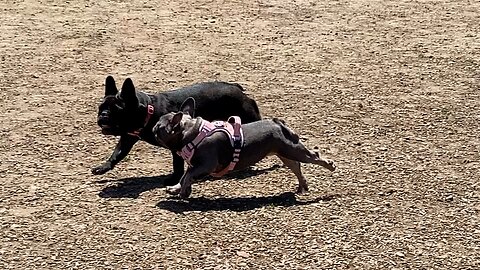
column 132, row 114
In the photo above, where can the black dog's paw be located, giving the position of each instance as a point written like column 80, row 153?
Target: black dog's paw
column 105, row 167
column 173, row 179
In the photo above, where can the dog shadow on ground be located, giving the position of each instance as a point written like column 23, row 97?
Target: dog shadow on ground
column 132, row 187
column 202, row 204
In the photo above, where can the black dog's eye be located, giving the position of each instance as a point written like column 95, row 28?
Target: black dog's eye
column 103, row 107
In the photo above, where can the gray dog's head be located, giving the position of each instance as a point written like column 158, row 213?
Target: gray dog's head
column 168, row 129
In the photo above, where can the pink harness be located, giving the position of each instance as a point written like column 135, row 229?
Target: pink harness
column 233, row 129
column 150, row 111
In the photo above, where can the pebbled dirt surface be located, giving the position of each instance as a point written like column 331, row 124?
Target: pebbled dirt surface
column 388, row 89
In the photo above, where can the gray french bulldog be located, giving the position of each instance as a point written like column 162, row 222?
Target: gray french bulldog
column 214, row 152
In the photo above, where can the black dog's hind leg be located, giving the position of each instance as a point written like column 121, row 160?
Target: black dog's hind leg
column 122, row 149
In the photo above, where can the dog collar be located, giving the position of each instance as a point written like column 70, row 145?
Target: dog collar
column 150, row 111
column 233, row 129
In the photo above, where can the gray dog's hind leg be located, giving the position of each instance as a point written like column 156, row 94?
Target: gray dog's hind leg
column 295, row 167
column 292, row 148
column 300, row 153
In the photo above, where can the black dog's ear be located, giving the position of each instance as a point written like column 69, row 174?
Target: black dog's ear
column 110, row 87
column 128, row 93
column 177, row 118
column 188, row 106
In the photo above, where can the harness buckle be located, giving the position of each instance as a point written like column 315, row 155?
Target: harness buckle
column 237, row 142
column 150, row 109
column 190, row 146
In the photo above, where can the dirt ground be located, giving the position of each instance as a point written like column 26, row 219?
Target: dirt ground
column 387, row 89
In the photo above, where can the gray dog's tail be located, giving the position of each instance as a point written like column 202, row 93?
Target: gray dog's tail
column 287, row 132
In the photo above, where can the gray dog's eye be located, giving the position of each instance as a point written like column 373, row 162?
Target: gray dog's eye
column 168, row 129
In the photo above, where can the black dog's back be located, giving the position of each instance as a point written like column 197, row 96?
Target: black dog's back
column 216, row 101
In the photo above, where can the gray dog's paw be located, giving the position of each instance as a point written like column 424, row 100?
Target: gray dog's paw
column 186, row 193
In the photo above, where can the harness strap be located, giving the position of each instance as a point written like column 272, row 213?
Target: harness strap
column 237, row 144
column 233, row 125
column 236, row 122
column 150, row 111
column 205, row 129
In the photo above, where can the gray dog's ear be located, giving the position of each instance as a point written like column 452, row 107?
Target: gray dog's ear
column 128, row 93
column 177, row 118
column 110, row 87
column 188, row 106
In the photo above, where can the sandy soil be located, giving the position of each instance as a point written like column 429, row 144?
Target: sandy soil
column 388, row 89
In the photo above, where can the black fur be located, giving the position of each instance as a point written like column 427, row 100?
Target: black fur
column 125, row 112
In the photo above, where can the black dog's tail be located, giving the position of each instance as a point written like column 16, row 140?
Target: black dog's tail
column 257, row 111
column 253, row 116
column 287, row 132
column 239, row 86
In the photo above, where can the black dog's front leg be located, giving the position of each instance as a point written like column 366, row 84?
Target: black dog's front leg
column 178, row 170
column 122, row 149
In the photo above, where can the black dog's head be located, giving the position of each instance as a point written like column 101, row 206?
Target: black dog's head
column 120, row 112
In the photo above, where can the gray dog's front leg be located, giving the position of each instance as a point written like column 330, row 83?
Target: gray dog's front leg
column 204, row 165
column 194, row 173
column 184, row 187
column 186, row 184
